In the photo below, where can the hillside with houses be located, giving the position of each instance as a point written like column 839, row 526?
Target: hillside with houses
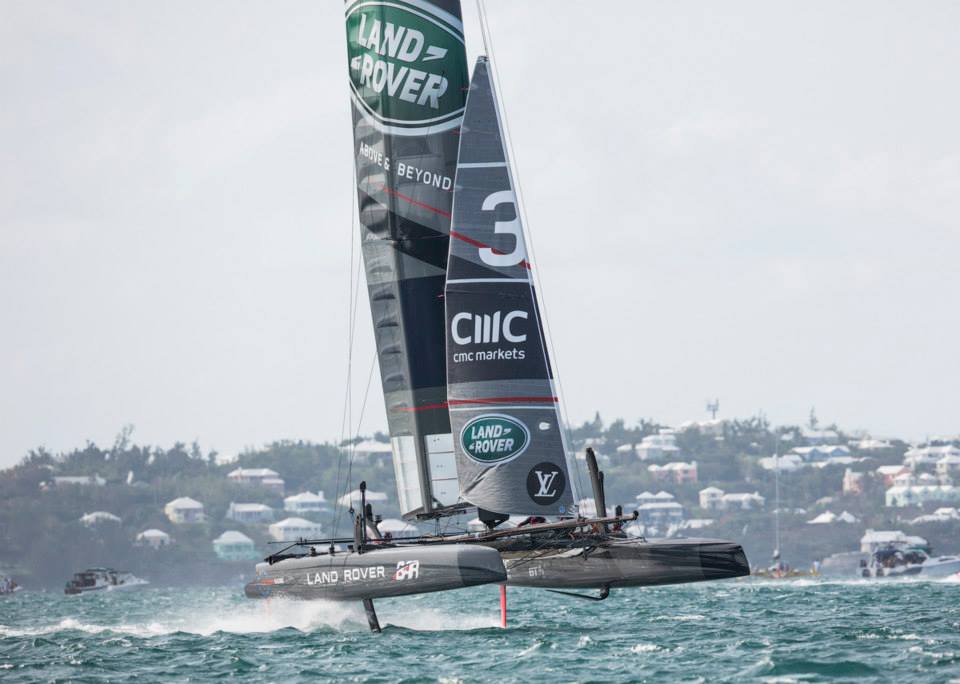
column 180, row 515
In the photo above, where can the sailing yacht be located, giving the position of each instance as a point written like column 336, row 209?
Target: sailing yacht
column 472, row 404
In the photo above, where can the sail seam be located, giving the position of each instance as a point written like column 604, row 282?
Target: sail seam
column 487, row 401
column 520, row 281
column 477, row 243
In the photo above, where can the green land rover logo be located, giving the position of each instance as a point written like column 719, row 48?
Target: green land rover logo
column 494, row 438
column 408, row 67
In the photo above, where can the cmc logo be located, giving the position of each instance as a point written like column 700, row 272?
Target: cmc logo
column 470, row 328
column 494, row 438
column 407, row 65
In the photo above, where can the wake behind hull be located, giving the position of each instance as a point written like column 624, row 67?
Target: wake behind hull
column 627, row 563
column 378, row 573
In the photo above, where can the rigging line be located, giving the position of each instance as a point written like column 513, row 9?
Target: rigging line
column 353, row 338
column 363, row 410
column 351, row 319
column 521, row 207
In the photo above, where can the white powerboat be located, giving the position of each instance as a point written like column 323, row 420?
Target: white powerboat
column 102, row 579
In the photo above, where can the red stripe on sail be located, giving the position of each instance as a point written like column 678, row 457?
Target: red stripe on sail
column 414, row 202
column 477, row 243
column 483, row 402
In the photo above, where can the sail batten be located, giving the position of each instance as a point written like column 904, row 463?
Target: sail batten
column 503, row 407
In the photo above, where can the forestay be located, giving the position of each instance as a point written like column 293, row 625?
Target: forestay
column 508, row 436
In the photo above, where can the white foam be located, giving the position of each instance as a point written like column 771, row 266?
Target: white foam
column 644, row 648
column 269, row 616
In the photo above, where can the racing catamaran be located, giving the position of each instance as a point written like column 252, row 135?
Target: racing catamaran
column 472, row 406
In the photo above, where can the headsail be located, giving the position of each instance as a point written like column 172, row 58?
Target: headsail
column 506, row 424
column 408, row 77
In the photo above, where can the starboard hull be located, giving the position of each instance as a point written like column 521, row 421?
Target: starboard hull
column 378, row 573
column 627, row 563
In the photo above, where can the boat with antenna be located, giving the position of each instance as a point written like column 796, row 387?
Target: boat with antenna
column 472, row 402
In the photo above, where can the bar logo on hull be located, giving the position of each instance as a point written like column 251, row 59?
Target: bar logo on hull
column 494, row 438
column 406, row 65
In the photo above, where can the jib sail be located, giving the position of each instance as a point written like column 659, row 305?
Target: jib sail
column 408, row 80
column 507, row 433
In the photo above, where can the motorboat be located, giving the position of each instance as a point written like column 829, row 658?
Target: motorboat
column 102, row 579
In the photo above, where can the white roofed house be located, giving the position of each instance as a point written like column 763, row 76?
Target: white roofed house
column 785, row 463
column 869, row 444
column 901, row 496
column 742, row 501
column 587, row 507
column 398, row 529
column 234, row 546
column 820, row 454
column 370, row 449
column 291, row 529
column 353, row 498
column 249, row 512
column 661, row 516
column 814, row 436
column 184, row 511
column 82, row 480
column 98, row 518
column 661, row 446
column 890, row 473
column 711, row 498
column 261, row 477
column 852, row 482
column 305, row 502
column 154, row 538
column 941, row 515
column 676, row 471
column 928, row 456
column 949, row 466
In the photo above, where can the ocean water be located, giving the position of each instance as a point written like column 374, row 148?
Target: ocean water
column 732, row 631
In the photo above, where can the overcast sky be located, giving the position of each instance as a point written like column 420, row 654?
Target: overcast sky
column 753, row 201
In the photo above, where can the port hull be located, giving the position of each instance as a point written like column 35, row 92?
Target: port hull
column 627, row 563
column 378, row 573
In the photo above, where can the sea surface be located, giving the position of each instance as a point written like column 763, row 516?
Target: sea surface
column 732, row 631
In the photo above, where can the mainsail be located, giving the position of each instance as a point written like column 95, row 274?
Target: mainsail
column 507, row 429
column 408, row 76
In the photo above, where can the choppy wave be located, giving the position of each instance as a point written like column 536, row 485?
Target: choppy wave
column 797, row 630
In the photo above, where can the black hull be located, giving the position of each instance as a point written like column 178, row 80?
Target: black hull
column 627, row 563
